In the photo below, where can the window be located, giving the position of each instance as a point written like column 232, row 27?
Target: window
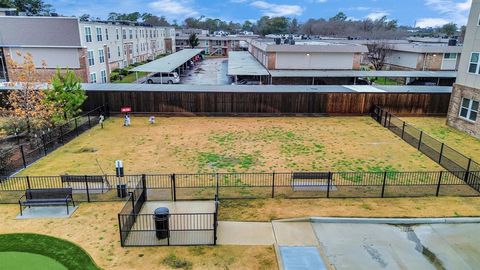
column 469, row 109
column 136, row 33
column 93, row 77
column 99, row 34
column 106, row 33
column 124, row 33
column 88, row 34
column 108, row 53
column 130, row 33
column 116, row 30
column 101, row 56
column 451, row 56
column 473, row 68
column 103, row 75
column 91, row 58
column 119, row 51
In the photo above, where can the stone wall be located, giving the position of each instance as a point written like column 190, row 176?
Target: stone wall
column 453, row 119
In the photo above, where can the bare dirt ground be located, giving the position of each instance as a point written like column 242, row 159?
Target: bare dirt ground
column 94, row 227
column 437, row 128
column 200, row 144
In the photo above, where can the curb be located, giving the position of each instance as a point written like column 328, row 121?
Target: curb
column 411, row 221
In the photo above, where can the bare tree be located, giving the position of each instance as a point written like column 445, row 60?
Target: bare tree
column 377, row 53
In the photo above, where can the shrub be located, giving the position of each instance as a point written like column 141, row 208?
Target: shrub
column 14, row 124
column 123, row 72
column 114, row 77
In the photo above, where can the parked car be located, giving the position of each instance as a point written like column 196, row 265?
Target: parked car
column 164, row 78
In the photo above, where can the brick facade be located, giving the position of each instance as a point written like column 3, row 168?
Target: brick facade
column 453, row 119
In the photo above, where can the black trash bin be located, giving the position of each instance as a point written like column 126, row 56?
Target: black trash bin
column 161, row 222
column 122, row 190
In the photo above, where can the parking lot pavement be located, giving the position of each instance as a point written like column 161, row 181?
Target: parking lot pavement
column 456, row 246
column 369, row 246
column 211, row 71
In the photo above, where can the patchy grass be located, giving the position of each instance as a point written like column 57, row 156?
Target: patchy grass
column 200, row 144
column 131, row 77
column 268, row 209
column 437, row 128
column 94, row 227
column 174, row 262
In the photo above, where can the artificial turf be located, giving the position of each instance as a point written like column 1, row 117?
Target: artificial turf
column 65, row 253
column 28, row 261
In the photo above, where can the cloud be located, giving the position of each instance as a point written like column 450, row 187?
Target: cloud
column 175, row 8
column 273, row 10
column 238, row 1
column 377, row 15
column 431, row 22
column 452, row 11
column 320, row 1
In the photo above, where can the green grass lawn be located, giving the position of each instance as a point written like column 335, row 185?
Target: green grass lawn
column 34, row 250
column 130, row 78
column 386, row 81
column 437, row 128
column 27, row 261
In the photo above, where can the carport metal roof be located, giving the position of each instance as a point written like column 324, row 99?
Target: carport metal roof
column 169, row 62
column 243, row 63
column 363, row 73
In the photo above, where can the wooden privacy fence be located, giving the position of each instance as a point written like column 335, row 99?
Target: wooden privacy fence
column 268, row 103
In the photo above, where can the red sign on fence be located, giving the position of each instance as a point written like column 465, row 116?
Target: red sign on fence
column 126, row 109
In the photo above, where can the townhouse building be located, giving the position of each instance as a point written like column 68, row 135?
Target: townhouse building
column 212, row 45
column 92, row 49
column 464, row 102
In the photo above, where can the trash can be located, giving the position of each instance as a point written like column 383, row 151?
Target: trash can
column 122, row 190
column 161, row 222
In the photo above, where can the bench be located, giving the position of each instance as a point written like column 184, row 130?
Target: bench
column 79, row 180
column 46, row 197
column 311, row 181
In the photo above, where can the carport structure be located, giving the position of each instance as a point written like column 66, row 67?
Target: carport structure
column 169, row 63
column 242, row 63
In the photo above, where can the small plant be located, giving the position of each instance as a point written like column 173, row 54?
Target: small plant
column 177, row 263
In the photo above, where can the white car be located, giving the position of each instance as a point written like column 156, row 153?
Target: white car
column 164, row 78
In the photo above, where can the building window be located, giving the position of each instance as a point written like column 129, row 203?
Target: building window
column 473, row 68
column 99, row 34
column 108, row 53
column 116, row 31
column 469, row 109
column 124, row 34
column 136, row 33
column 106, row 33
column 88, row 34
column 451, row 56
column 103, row 75
column 91, row 58
column 119, row 51
column 93, row 77
column 130, row 33
column 101, row 56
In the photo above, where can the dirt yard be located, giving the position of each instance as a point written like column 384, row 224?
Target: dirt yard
column 189, row 145
column 437, row 128
column 95, row 228
column 271, row 209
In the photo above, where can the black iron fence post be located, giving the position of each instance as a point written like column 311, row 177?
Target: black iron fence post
column 441, row 154
column 467, row 173
column 385, row 121
column 389, row 120
column 420, row 140
column 403, row 129
column 44, row 146
column 120, row 230
column 89, row 123
column 384, row 182
column 144, row 184
column 28, row 182
column 216, row 187
column 329, row 183
column 86, row 187
column 61, row 135
column 273, row 185
column 439, row 183
column 23, row 157
column 174, row 191
column 76, row 126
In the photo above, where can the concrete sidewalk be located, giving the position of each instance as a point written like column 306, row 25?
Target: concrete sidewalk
column 294, row 233
column 245, row 233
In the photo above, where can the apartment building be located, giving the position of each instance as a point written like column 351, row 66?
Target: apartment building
column 464, row 103
column 423, row 56
column 212, row 45
column 90, row 49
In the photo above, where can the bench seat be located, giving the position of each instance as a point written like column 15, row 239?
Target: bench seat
column 46, row 197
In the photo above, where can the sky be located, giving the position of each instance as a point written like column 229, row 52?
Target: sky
column 422, row 13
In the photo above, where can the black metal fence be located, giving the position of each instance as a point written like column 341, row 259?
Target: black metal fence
column 26, row 153
column 439, row 152
column 165, row 187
